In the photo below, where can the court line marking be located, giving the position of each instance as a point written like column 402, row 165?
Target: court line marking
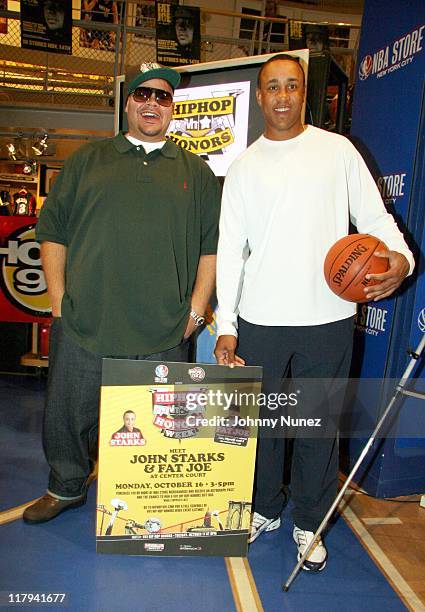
column 389, row 520
column 244, row 589
column 13, row 514
column 406, row 593
column 242, row 583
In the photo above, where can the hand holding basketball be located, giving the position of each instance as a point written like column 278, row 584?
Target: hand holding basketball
column 349, row 264
column 391, row 280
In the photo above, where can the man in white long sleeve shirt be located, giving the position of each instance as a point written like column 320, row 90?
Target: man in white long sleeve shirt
column 287, row 199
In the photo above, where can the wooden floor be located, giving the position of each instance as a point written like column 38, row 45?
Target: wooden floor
column 393, row 532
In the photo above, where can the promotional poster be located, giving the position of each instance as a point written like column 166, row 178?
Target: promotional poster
column 177, row 444
column 103, row 12
column 178, row 34
column 212, row 121
column 46, row 25
column 23, row 290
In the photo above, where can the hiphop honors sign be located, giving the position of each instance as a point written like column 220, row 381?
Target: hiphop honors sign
column 212, row 121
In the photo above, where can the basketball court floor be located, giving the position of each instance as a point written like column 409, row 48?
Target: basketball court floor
column 59, row 557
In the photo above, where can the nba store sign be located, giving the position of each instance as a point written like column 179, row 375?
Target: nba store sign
column 393, row 56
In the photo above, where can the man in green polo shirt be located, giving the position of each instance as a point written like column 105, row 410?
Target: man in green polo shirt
column 128, row 240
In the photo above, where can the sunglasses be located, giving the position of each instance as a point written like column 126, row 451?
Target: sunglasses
column 143, row 94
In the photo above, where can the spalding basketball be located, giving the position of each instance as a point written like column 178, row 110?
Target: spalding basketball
column 348, row 262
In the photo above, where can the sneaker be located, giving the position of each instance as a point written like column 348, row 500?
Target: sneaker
column 260, row 523
column 316, row 560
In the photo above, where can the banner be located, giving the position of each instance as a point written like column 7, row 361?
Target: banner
column 391, row 66
column 47, row 25
column 391, row 63
column 23, row 291
column 178, row 34
column 177, row 445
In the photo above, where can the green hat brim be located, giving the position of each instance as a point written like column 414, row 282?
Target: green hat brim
column 167, row 74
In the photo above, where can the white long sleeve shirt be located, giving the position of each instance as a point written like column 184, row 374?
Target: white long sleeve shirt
column 285, row 203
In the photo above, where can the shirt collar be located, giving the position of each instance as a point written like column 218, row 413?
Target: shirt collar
column 123, row 145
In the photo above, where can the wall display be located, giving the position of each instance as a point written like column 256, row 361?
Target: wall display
column 24, row 202
column 177, row 446
column 178, row 34
column 47, row 25
column 23, row 291
column 101, row 11
column 212, row 121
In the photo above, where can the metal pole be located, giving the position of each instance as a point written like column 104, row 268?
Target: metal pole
column 399, row 391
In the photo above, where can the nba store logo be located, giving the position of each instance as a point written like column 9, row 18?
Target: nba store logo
column 421, row 320
column 392, row 57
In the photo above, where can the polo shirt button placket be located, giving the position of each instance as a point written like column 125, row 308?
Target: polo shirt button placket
column 144, row 175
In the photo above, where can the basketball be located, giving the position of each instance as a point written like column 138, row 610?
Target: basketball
column 347, row 263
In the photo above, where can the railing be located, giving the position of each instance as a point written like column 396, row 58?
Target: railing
column 87, row 76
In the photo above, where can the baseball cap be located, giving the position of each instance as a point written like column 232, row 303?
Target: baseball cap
column 152, row 70
column 183, row 12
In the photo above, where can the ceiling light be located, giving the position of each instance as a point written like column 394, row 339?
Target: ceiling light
column 40, row 147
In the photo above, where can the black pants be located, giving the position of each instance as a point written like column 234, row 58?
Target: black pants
column 72, row 409
column 318, row 358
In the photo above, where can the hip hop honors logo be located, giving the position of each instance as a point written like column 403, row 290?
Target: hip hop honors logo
column 212, row 121
column 170, row 410
column 22, row 277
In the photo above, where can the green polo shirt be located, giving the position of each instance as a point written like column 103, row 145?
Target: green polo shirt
column 134, row 225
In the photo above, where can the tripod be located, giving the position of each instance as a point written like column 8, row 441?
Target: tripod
column 399, row 391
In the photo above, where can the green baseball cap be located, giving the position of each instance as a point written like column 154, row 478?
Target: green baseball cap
column 152, row 70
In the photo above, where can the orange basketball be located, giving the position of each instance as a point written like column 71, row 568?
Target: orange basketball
column 348, row 262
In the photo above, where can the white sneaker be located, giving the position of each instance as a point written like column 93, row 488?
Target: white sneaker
column 260, row 523
column 316, row 560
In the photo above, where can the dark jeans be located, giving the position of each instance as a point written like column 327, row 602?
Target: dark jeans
column 72, row 409
column 321, row 354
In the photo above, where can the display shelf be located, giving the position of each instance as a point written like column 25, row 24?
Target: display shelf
column 18, row 178
column 32, row 359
